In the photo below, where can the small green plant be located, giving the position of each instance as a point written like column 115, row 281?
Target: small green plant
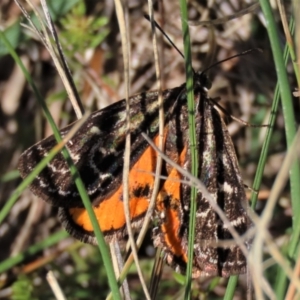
column 22, row 289
column 81, row 32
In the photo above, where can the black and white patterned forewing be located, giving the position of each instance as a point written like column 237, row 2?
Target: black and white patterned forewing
column 96, row 149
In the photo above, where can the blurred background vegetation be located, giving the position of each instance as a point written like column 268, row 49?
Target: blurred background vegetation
column 89, row 34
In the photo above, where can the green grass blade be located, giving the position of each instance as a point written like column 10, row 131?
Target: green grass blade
column 290, row 128
column 231, row 286
column 81, row 189
column 193, row 142
column 286, row 99
column 33, row 250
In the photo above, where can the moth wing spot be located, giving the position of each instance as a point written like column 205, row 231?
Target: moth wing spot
column 236, row 222
column 95, row 130
column 226, row 187
column 63, row 193
column 162, row 215
column 42, row 183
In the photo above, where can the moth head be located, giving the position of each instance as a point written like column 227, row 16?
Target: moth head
column 203, row 80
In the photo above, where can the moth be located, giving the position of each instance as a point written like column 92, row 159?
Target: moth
column 97, row 151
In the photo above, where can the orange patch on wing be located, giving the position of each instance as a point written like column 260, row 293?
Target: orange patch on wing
column 110, row 212
column 171, row 227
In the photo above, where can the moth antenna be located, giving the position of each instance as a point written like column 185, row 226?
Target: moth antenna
column 147, row 17
column 231, row 57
